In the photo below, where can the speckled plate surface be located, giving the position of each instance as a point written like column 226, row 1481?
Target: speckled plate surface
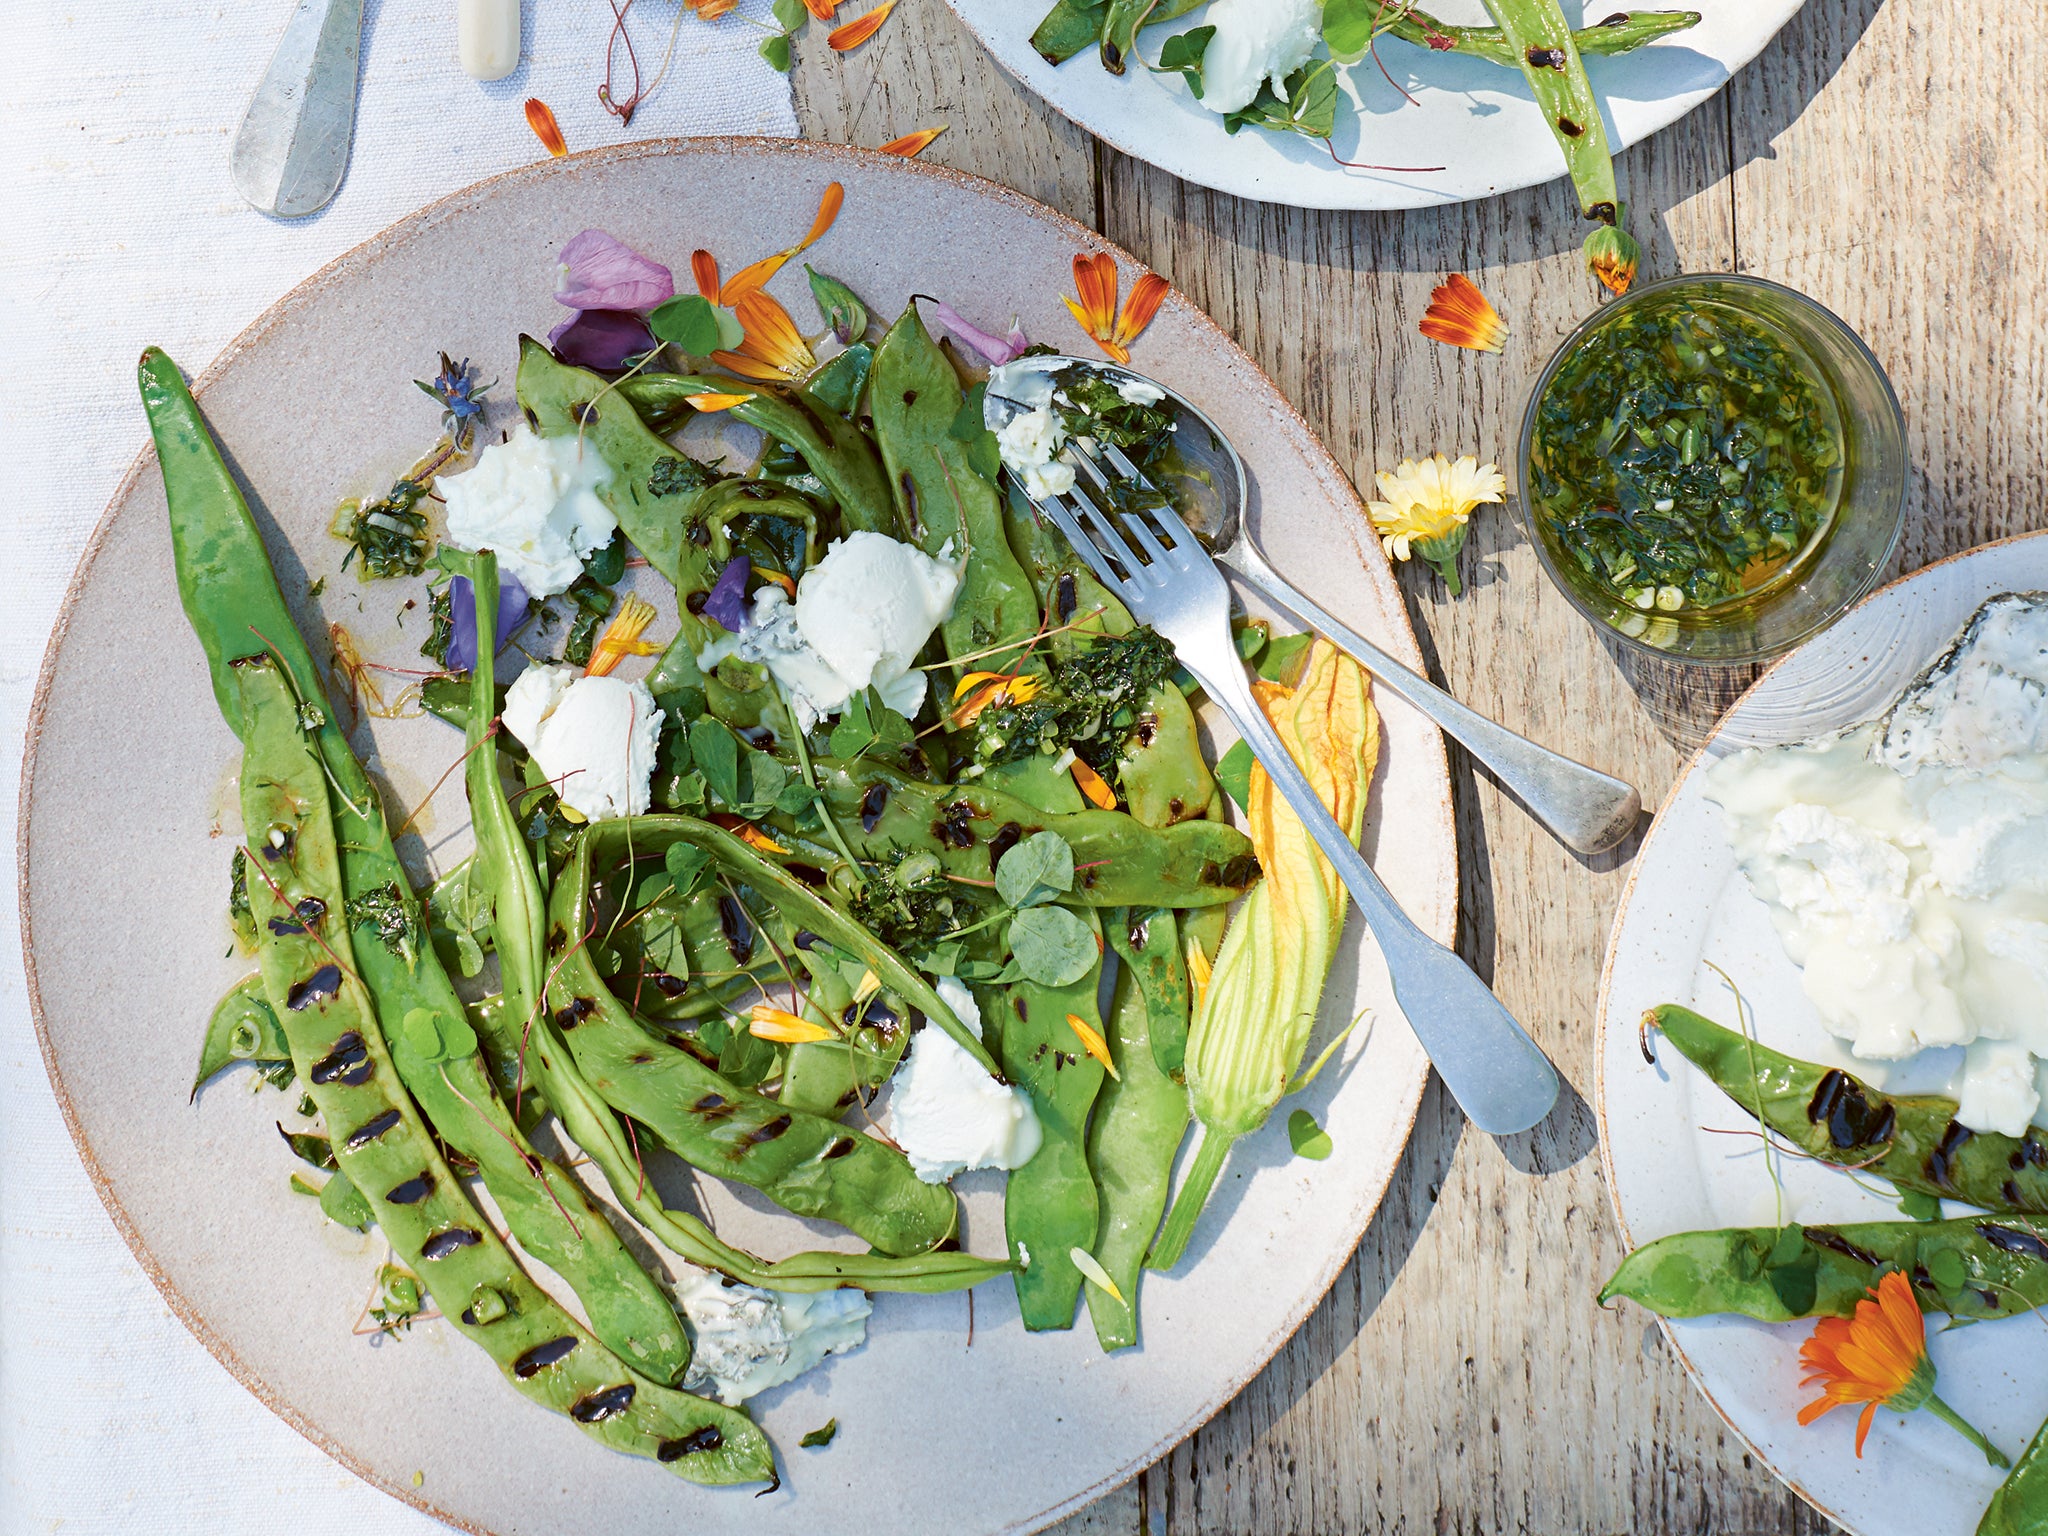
column 128, row 825
column 1474, row 120
column 1670, row 1168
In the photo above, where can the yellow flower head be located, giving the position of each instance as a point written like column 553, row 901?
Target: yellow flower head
column 1427, row 504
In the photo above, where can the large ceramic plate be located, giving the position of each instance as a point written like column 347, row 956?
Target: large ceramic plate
column 1475, row 119
column 124, row 870
column 1688, row 908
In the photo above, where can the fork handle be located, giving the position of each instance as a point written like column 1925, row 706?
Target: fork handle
column 1585, row 808
column 1499, row 1077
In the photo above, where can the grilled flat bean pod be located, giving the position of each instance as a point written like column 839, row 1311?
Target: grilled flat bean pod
column 1912, row 1141
column 2020, row 1507
column 232, row 599
column 1977, row 1267
column 837, row 451
column 1141, row 1116
column 1117, row 859
column 1544, row 48
column 942, row 502
column 1622, row 32
column 386, row 1150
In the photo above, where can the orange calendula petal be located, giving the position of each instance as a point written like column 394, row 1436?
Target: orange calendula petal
column 822, row 9
column 756, row 274
column 755, row 838
column 911, row 145
column 1093, row 1043
column 771, row 336
column 1147, row 293
column 621, row 638
column 541, row 119
column 1095, row 280
column 1198, row 971
column 1092, row 785
column 718, row 402
column 779, row 578
column 974, row 680
column 1460, row 316
column 704, row 268
column 861, row 28
column 784, row 1027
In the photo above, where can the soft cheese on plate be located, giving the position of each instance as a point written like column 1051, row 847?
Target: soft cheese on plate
column 532, row 501
column 748, row 1340
column 947, row 1113
column 594, row 737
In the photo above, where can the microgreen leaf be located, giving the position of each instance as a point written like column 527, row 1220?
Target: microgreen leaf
column 822, row 1435
column 1052, row 946
column 1182, row 54
column 789, row 14
column 1797, row 1284
column 1921, row 1207
column 1276, row 663
column 1790, row 1244
column 776, row 51
column 343, row 1204
column 1349, row 27
column 684, row 863
column 1306, row 1137
column 838, row 305
column 716, row 752
column 689, row 321
column 1946, row 1269
column 1234, row 773
column 1038, row 870
column 765, row 778
column 970, row 426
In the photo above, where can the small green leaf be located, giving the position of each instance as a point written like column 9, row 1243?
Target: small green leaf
column 971, row 427
column 789, row 14
column 343, row 1204
column 822, row 1436
column 1797, row 1284
column 796, row 798
column 1790, row 1245
column 684, row 863
column 838, row 305
column 1348, row 27
column 1919, row 1206
column 1945, row 1267
column 457, row 1039
column 1037, row 870
column 765, row 778
column 607, row 565
column 1306, row 1137
column 730, row 332
column 716, row 752
column 776, row 51
column 1277, row 664
column 1234, row 773
column 852, row 735
column 689, row 321
column 421, row 1031
column 1052, row 946
column 1183, row 53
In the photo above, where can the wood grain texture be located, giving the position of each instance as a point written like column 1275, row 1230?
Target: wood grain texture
column 1886, row 156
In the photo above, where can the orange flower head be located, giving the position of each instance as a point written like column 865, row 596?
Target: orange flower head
column 1612, row 255
column 621, row 638
column 1877, row 1358
column 710, row 10
column 541, row 119
column 754, row 276
column 1460, row 316
column 911, row 145
column 1095, row 280
column 774, row 350
column 860, row 29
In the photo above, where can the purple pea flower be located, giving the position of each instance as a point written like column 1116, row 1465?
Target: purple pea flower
column 598, row 272
column 604, row 339
column 996, row 349
column 512, row 606
column 728, row 600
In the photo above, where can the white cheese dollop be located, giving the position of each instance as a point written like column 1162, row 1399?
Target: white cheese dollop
column 1905, row 864
column 945, row 1111
column 1256, row 41
column 860, row 618
column 1030, row 441
column 594, row 737
column 532, row 501
column 748, row 1340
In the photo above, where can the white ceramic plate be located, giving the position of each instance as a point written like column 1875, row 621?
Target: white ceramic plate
column 126, row 837
column 1688, row 908
column 1475, row 119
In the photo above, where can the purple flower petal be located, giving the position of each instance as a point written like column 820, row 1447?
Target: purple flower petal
column 512, row 606
column 728, row 600
column 598, row 272
column 604, row 339
column 996, row 349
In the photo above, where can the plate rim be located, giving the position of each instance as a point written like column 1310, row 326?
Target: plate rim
column 1320, row 461
column 1603, row 998
column 1246, row 188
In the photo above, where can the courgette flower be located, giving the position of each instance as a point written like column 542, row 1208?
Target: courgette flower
column 1879, row 1358
column 1426, row 507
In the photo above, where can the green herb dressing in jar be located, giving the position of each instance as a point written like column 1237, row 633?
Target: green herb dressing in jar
column 1687, row 456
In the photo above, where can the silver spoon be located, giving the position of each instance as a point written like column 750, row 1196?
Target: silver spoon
column 292, row 150
column 1585, row 808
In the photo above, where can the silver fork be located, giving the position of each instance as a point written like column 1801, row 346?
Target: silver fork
column 1585, row 808
column 1499, row 1077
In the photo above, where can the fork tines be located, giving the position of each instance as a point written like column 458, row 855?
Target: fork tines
column 1094, row 531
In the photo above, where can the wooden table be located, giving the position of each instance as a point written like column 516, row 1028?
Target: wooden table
column 1889, row 157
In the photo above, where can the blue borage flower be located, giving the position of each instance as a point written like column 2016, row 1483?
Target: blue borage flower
column 461, row 397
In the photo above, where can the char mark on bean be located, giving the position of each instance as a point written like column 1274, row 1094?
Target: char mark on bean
column 1008, row 836
column 278, row 844
column 1618, row 19
column 810, row 874
column 1233, row 875
column 874, row 1013
column 1146, row 730
column 370, row 1130
column 713, row 1107
column 541, row 1356
column 2034, row 1152
column 310, row 909
column 1940, row 1159
column 1568, row 128
column 1066, row 596
column 1546, row 58
column 760, row 1135
column 316, row 988
column 696, row 1442
column 839, row 1147
column 803, row 938
column 412, row 1191
column 872, row 805
column 284, row 927
column 670, row 987
column 2012, row 1240
column 641, row 1058
column 349, row 1062
column 951, row 826
column 574, row 1012
column 606, row 1403
column 738, row 930
column 1852, row 1120
column 695, row 601
column 1821, row 1237
column 449, row 1240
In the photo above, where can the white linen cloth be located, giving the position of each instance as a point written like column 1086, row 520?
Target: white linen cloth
column 119, row 227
